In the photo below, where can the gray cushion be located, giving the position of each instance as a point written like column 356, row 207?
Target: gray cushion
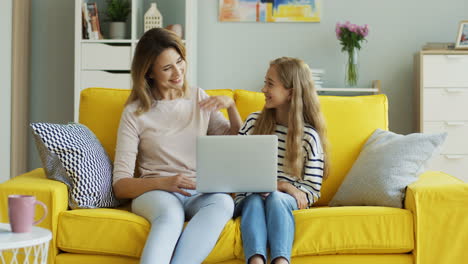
column 387, row 163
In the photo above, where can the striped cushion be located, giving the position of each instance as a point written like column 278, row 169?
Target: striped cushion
column 73, row 155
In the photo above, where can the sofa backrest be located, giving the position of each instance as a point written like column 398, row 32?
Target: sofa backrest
column 350, row 121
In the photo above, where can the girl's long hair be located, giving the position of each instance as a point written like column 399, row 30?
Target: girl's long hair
column 149, row 47
column 296, row 75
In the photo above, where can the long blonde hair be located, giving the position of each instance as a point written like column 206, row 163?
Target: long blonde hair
column 296, row 75
column 149, row 47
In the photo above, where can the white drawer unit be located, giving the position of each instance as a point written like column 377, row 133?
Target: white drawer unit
column 456, row 130
column 104, row 56
column 105, row 79
column 447, row 70
column 442, row 104
column 441, row 101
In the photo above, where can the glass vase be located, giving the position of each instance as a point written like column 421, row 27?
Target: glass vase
column 352, row 67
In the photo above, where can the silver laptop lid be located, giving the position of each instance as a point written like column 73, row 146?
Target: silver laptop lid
column 237, row 163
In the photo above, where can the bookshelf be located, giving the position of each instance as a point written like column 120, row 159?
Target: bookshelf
column 106, row 62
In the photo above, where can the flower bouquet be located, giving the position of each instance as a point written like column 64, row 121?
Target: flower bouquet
column 350, row 37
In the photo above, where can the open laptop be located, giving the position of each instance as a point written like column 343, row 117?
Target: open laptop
column 237, row 163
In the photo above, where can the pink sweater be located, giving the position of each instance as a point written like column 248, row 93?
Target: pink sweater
column 162, row 141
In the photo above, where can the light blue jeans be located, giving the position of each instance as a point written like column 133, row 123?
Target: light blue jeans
column 267, row 220
column 166, row 211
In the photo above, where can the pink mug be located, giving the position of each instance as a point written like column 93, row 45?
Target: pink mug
column 21, row 211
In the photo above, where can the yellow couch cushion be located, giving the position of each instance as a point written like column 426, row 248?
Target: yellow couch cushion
column 248, row 102
column 100, row 111
column 339, row 230
column 350, row 230
column 120, row 232
column 350, row 122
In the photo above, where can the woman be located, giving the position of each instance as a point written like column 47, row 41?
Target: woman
column 157, row 134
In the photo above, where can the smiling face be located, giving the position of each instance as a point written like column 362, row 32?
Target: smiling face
column 276, row 96
column 168, row 71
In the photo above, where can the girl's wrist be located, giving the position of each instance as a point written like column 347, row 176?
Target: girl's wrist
column 231, row 102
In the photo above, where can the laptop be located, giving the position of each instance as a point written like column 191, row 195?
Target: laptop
column 231, row 164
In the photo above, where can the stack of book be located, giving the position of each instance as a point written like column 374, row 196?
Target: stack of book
column 91, row 27
column 317, row 76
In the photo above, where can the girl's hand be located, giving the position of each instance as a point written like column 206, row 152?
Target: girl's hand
column 300, row 196
column 176, row 183
column 215, row 103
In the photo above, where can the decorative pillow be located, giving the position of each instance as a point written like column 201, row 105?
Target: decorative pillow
column 73, row 155
column 387, row 163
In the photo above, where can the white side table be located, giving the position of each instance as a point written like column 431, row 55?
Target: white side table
column 33, row 245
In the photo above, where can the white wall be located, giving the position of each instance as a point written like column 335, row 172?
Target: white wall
column 5, row 87
column 236, row 55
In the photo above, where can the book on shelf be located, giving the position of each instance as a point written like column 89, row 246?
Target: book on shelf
column 91, row 25
column 317, row 76
column 439, row 46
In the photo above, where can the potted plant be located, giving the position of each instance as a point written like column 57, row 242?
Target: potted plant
column 117, row 12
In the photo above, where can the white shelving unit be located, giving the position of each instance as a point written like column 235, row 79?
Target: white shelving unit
column 106, row 62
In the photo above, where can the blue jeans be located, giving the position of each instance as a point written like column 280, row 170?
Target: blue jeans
column 167, row 241
column 267, row 220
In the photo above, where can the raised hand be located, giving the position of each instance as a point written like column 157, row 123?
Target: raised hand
column 215, row 103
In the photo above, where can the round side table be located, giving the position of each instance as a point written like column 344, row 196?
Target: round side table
column 33, row 245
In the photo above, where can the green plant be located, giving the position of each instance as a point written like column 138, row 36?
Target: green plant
column 118, row 10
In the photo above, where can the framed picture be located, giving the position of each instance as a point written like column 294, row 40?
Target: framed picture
column 462, row 36
column 269, row 10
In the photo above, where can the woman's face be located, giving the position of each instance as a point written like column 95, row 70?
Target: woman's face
column 168, row 70
column 275, row 94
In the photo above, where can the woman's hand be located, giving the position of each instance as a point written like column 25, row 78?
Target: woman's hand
column 300, row 196
column 215, row 103
column 176, row 183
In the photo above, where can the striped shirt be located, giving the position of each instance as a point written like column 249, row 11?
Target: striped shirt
column 313, row 159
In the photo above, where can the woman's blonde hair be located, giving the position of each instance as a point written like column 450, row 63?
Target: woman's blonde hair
column 149, row 47
column 296, row 75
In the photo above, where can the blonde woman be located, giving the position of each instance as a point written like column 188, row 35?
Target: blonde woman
column 292, row 112
column 157, row 134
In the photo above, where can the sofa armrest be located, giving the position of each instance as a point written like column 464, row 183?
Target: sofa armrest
column 52, row 193
column 439, row 203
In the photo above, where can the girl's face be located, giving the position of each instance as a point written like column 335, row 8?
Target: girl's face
column 276, row 95
column 168, row 70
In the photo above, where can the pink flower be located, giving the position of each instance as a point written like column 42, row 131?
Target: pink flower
column 338, row 30
column 351, row 35
column 364, row 30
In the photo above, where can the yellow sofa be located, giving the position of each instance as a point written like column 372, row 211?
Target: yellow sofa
column 431, row 229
